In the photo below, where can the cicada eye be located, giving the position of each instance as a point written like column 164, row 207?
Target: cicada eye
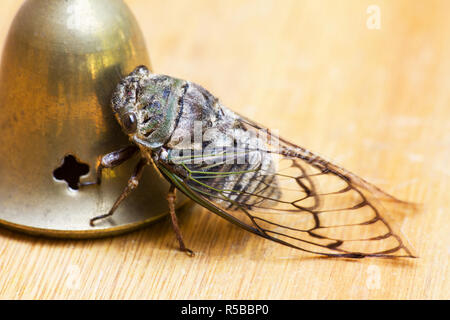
column 129, row 122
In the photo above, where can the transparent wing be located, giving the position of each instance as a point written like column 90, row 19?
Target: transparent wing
column 289, row 195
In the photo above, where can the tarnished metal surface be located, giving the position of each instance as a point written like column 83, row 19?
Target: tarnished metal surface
column 60, row 63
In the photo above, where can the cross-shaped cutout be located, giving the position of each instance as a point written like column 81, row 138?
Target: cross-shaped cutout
column 70, row 171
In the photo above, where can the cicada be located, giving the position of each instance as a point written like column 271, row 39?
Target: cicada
column 245, row 173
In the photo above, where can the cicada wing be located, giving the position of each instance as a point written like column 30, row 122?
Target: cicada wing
column 287, row 194
column 347, row 204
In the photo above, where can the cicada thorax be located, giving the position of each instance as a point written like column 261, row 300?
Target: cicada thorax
column 219, row 156
column 168, row 116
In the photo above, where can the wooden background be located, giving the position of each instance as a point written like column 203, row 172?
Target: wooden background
column 377, row 101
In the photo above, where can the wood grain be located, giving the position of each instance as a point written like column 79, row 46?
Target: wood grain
column 375, row 101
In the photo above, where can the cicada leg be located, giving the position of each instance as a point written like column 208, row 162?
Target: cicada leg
column 133, row 182
column 111, row 160
column 171, row 198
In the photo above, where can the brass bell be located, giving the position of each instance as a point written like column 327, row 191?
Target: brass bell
column 60, row 64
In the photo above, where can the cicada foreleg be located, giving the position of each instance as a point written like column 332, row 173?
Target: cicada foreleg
column 111, row 160
column 133, row 182
column 171, row 198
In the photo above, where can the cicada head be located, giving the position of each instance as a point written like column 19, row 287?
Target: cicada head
column 146, row 106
